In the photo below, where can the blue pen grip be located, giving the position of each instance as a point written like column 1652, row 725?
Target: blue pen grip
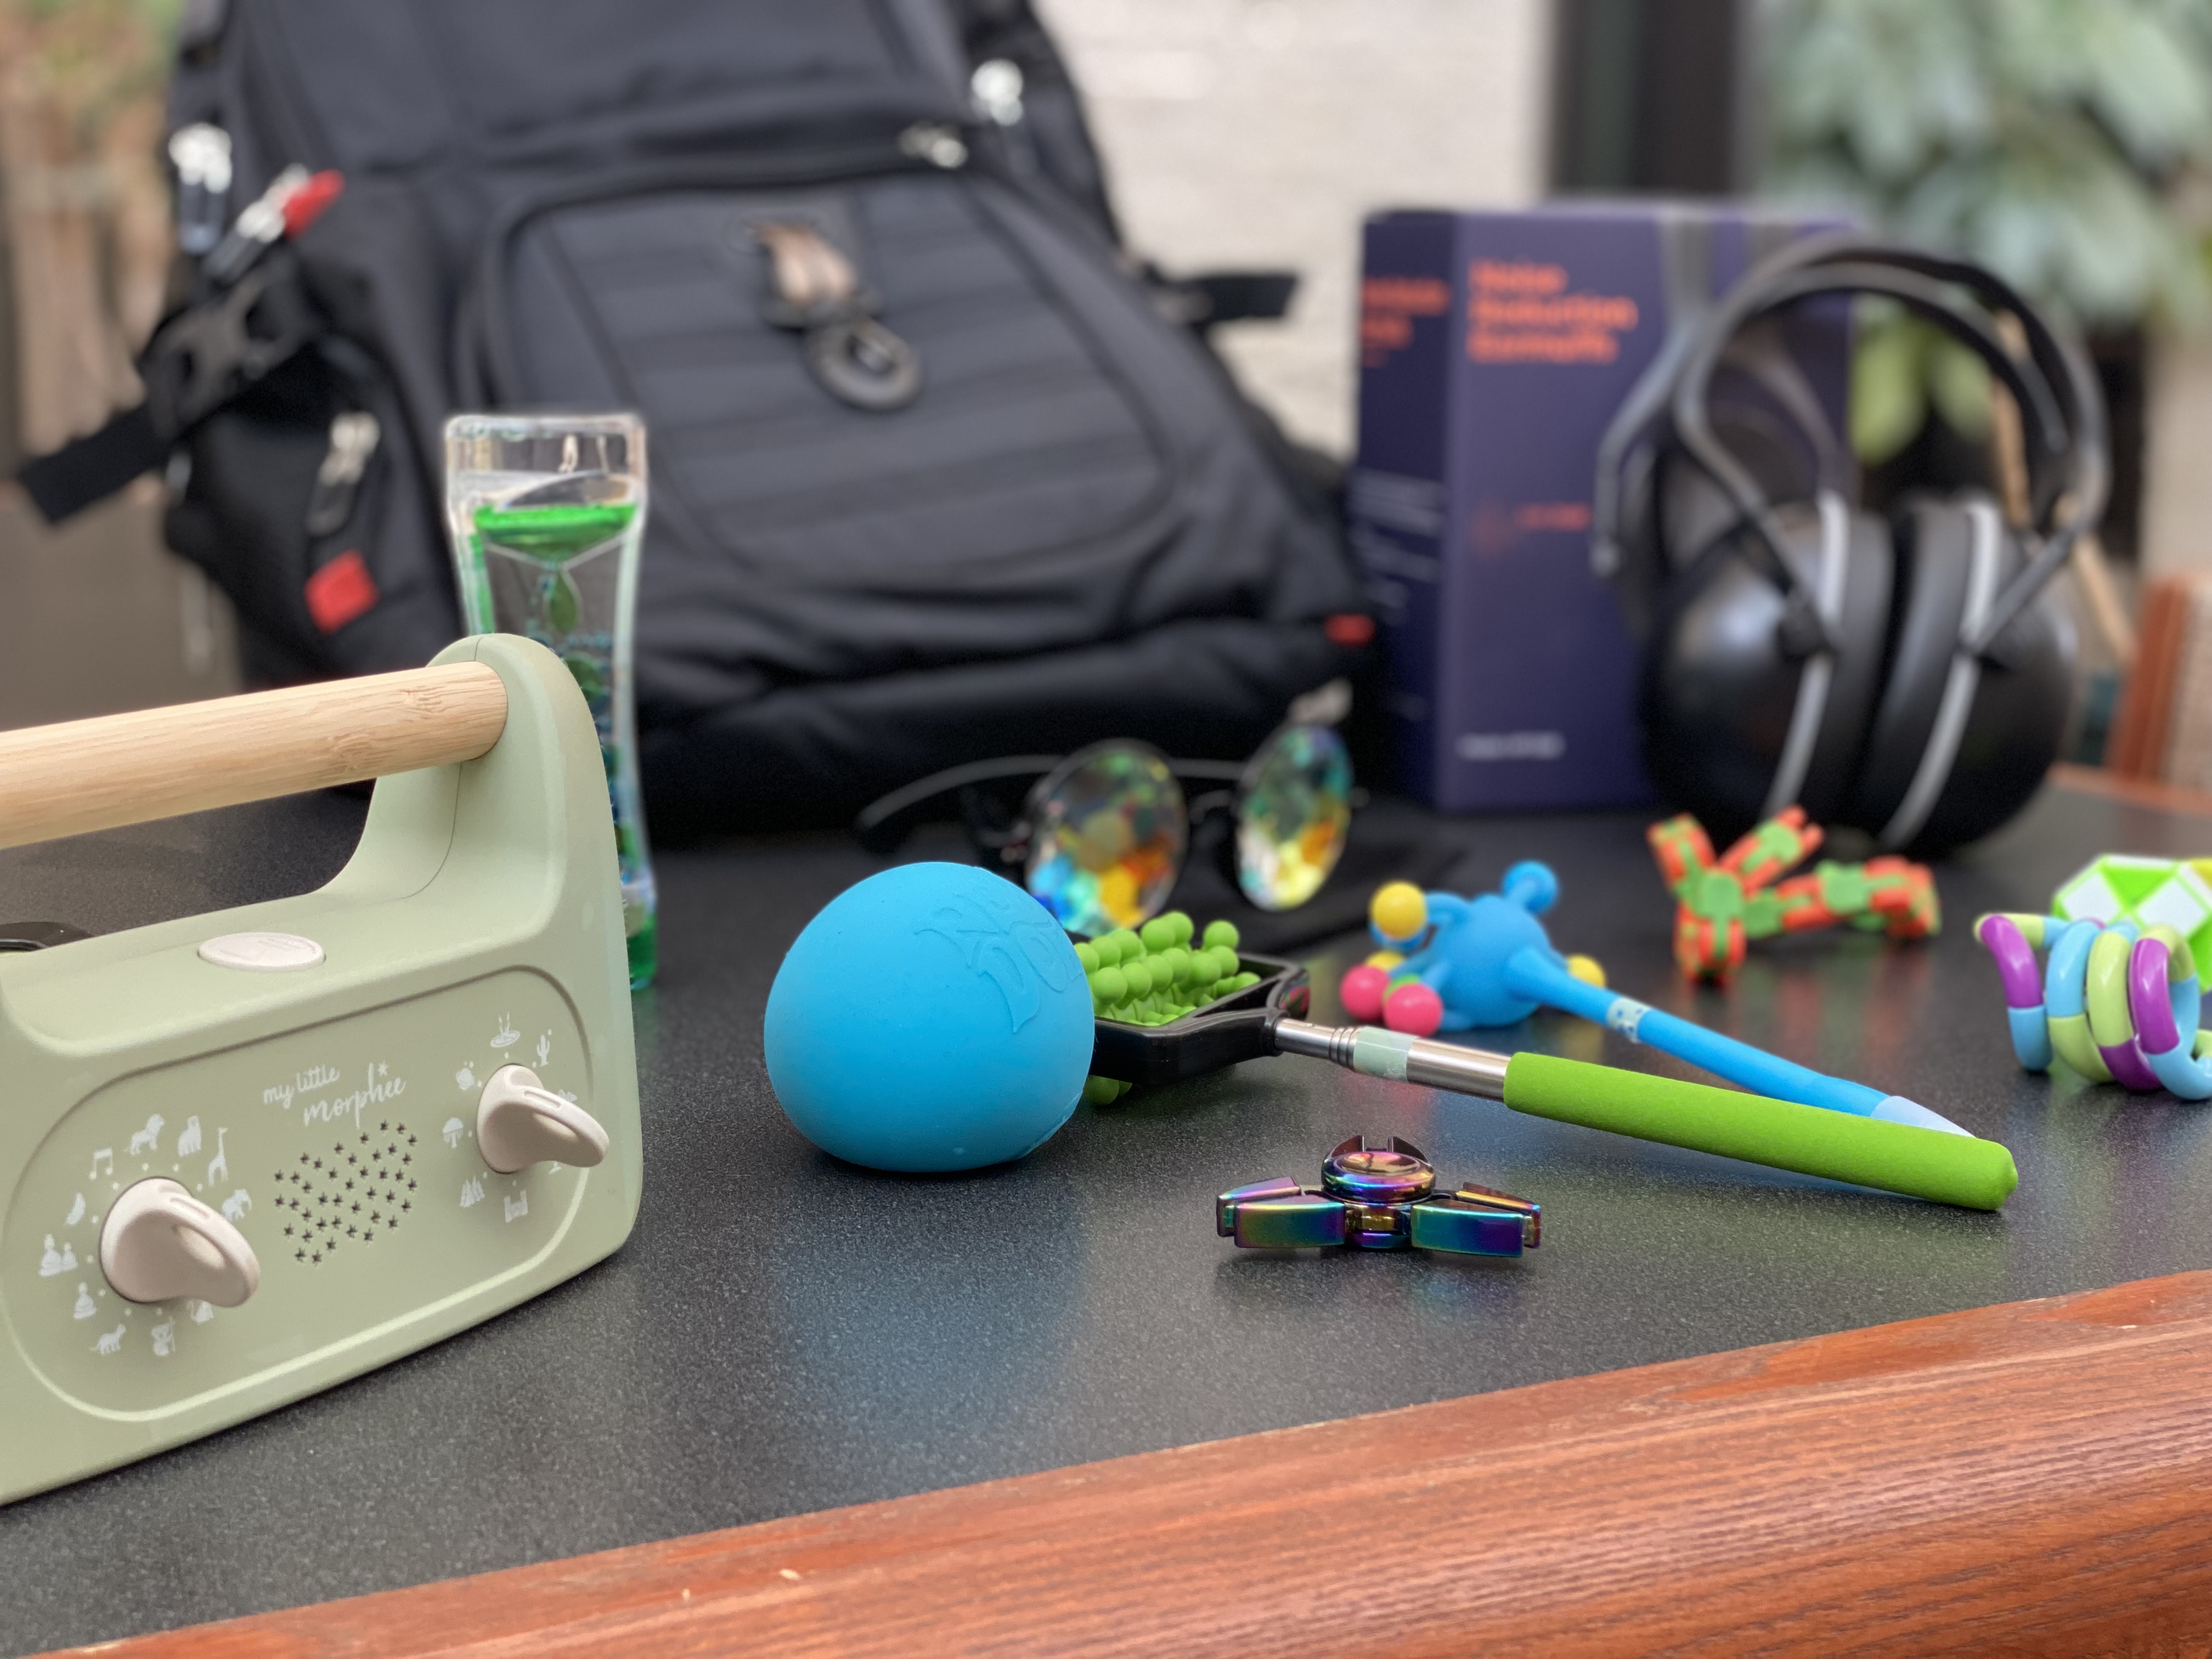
column 1538, row 977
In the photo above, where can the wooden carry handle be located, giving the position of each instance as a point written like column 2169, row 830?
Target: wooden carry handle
column 83, row 775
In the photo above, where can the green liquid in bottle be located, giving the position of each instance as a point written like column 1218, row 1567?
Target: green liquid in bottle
column 554, row 538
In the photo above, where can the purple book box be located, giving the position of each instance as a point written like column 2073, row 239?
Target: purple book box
column 1494, row 350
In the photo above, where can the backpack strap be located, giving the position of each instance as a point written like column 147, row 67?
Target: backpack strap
column 93, row 467
column 253, row 314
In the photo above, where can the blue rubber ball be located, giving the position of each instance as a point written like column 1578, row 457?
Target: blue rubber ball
column 932, row 1018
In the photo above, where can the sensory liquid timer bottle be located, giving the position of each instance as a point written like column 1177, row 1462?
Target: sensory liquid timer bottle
column 547, row 515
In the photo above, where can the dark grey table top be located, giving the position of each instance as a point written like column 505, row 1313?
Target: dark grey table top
column 880, row 1336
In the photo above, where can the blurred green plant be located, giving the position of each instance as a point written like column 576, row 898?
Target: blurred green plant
column 1904, row 366
column 92, row 59
column 2065, row 144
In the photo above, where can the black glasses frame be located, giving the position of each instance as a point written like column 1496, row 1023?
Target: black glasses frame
column 1002, row 837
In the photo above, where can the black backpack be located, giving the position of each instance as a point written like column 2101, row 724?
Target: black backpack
column 984, row 497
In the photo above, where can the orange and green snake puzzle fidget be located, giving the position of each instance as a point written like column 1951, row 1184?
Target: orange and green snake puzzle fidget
column 1723, row 903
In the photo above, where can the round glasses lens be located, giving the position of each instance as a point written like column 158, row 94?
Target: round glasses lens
column 1293, row 816
column 1110, row 829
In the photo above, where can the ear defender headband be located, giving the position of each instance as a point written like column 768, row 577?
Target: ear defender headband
column 2069, row 473
column 2053, row 386
column 2063, row 424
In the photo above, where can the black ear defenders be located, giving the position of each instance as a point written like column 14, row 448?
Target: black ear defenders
column 1905, row 676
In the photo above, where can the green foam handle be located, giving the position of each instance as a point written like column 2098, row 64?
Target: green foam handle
column 1898, row 1157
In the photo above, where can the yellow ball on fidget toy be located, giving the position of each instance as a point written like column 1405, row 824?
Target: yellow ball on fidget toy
column 1399, row 912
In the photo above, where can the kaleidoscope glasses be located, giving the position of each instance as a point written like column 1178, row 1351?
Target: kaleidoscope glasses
column 1100, row 835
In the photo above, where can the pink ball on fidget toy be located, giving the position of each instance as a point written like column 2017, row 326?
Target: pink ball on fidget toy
column 1362, row 992
column 1412, row 1007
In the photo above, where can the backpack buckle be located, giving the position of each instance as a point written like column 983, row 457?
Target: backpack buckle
column 204, row 356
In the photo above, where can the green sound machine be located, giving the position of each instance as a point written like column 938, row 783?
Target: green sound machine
column 246, row 1156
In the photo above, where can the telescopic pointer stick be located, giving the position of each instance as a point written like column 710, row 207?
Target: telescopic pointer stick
column 1942, row 1165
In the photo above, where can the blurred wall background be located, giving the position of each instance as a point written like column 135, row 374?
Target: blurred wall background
column 1257, row 133
column 96, row 616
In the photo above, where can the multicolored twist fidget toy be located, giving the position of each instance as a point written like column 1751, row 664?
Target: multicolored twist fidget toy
column 1378, row 1195
column 1721, row 904
column 2117, row 1003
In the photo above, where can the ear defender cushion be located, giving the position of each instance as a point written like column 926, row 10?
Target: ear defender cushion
column 2023, row 694
column 2017, row 725
column 1719, row 691
column 1935, row 561
column 1861, row 642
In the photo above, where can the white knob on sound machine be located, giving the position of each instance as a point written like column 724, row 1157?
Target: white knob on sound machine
column 520, row 1122
column 160, row 1242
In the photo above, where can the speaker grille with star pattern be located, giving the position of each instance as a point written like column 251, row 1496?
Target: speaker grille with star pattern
column 346, row 1199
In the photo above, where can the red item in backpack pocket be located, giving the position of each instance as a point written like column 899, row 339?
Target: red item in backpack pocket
column 305, row 205
column 341, row 591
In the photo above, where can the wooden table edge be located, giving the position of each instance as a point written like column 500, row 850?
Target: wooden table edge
column 2032, row 1477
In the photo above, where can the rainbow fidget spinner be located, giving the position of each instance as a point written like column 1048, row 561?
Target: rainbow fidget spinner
column 1720, row 904
column 1377, row 1196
